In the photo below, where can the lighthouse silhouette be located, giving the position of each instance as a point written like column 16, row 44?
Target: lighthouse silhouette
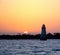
column 43, row 32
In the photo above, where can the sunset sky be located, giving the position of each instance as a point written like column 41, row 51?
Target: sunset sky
column 19, row 16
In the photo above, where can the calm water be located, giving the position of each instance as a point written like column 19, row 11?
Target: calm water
column 29, row 47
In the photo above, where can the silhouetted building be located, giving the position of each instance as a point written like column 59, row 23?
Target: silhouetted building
column 43, row 32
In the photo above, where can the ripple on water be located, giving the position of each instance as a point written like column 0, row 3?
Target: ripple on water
column 55, row 49
column 29, row 47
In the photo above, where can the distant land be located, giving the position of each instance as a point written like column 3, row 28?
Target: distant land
column 29, row 36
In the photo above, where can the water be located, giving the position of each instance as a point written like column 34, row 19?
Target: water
column 29, row 47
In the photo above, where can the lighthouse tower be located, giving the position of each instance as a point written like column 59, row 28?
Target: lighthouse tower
column 43, row 32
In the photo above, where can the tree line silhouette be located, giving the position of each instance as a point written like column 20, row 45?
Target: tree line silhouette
column 29, row 36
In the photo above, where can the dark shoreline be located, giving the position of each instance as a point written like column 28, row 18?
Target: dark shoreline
column 28, row 36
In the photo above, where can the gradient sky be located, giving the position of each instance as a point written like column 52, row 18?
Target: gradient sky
column 18, row 16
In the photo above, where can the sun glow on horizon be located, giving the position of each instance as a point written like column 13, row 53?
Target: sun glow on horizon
column 25, row 32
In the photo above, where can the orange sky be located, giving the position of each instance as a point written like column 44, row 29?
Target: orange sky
column 18, row 16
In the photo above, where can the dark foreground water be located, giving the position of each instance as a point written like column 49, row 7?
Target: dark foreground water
column 29, row 47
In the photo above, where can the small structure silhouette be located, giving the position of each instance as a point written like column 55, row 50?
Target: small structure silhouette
column 43, row 33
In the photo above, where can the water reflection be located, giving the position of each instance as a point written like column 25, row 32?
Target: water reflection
column 29, row 47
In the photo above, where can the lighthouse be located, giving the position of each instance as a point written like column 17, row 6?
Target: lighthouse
column 43, row 32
